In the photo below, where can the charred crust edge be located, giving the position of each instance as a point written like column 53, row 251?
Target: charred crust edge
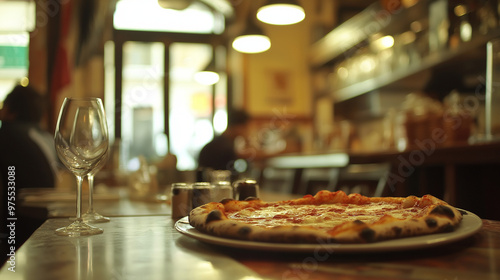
column 358, row 222
column 443, row 210
column 214, row 215
column 397, row 230
column 431, row 222
column 367, row 234
column 244, row 231
column 226, row 200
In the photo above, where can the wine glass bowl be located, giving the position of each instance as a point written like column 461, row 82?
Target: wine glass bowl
column 81, row 141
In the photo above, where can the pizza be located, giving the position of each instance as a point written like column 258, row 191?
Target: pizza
column 333, row 217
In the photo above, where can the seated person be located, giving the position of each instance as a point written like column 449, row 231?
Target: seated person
column 28, row 153
column 24, row 146
column 220, row 153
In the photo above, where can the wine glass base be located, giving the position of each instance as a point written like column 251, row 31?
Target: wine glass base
column 78, row 228
column 94, row 217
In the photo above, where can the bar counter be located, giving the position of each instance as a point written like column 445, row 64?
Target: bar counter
column 149, row 247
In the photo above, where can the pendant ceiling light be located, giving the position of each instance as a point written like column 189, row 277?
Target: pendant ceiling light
column 281, row 12
column 252, row 40
column 175, row 4
column 209, row 75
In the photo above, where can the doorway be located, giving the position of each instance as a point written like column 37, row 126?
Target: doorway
column 156, row 104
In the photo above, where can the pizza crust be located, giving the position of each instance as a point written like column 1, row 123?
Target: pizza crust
column 434, row 215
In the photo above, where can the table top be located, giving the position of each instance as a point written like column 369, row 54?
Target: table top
column 114, row 202
column 149, row 247
column 118, row 203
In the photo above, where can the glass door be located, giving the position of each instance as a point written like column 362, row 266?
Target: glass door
column 153, row 102
column 162, row 107
column 142, row 107
column 191, row 110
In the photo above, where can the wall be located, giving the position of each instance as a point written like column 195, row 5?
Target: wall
column 275, row 86
column 278, row 79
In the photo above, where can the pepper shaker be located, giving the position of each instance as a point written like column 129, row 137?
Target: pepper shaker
column 247, row 188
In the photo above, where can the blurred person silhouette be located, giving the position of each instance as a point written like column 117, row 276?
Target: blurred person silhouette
column 27, row 160
column 24, row 145
column 221, row 152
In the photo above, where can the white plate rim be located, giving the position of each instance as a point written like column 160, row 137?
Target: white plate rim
column 469, row 225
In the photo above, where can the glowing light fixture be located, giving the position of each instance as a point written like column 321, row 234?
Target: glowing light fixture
column 281, row 12
column 207, row 76
column 252, row 40
column 383, row 43
column 175, row 4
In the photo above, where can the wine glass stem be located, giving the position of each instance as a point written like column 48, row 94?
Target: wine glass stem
column 91, row 193
column 79, row 181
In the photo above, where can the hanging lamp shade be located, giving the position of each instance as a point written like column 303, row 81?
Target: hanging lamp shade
column 281, row 12
column 175, row 4
column 209, row 75
column 252, row 40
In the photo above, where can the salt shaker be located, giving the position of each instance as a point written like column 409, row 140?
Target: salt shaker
column 222, row 190
column 217, row 176
column 181, row 200
column 202, row 194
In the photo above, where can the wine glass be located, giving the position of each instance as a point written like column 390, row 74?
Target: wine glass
column 81, row 140
column 91, row 216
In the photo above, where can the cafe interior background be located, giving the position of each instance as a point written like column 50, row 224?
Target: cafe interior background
column 358, row 78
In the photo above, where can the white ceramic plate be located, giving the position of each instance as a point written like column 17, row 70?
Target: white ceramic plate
column 470, row 224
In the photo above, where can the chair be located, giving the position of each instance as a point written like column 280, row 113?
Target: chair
column 363, row 178
column 280, row 180
column 316, row 171
column 313, row 180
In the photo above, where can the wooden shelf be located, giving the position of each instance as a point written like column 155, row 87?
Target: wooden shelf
column 356, row 30
column 462, row 54
column 346, row 38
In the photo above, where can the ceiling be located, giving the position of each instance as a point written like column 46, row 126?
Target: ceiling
column 241, row 8
column 237, row 12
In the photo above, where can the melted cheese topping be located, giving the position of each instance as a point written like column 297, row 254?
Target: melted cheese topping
column 321, row 216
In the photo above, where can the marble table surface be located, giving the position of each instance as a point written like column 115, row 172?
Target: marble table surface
column 130, row 248
column 149, row 247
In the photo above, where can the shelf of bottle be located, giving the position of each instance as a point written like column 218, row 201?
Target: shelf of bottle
column 461, row 54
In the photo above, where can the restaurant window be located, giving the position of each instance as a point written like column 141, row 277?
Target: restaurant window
column 13, row 61
column 148, row 15
column 17, row 18
column 191, row 109
column 142, row 107
column 162, row 107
